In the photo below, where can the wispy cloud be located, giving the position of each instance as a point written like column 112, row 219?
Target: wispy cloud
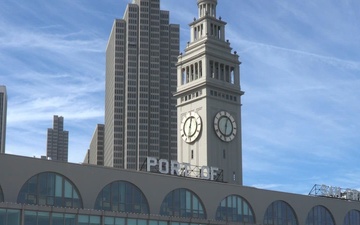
column 300, row 77
column 51, row 67
column 299, row 71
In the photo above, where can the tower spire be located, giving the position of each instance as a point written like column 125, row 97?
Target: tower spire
column 207, row 8
column 207, row 25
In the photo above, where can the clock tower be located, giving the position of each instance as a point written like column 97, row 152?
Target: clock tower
column 209, row 97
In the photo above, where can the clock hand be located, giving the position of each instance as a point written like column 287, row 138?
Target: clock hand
column 190, row 125
column 226, row 125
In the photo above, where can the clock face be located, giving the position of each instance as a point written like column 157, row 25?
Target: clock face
column 190, row 127
column 225, row 126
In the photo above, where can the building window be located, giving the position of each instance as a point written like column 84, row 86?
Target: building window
column 352, row 218
column 232, row 75
column 183, row 76
column 88, row 220
column 200, row 63
column 234, row 208
column 280, row 213
column 113, row 221
column 44, row 218
column 1, row 195
column 122, row 196
column 212, row 75
column 33, row 217
column 9, row 216
column 319, row 215
column 50, row 189
column 63, row 218
column 183, row 203
column 192, row 154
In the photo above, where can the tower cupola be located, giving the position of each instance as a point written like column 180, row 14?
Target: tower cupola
column 207, row 25
column 207, row 8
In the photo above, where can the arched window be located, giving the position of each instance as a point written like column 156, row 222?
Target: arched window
column 182, row 203
column 352, row 218
column 234, row 208
column 122, row 196
column 280, row 213
column 319, row 215
column 51, row 189
column 1, row 195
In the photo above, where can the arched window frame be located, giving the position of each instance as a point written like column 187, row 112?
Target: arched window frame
column 229, row 208
column 352, row 217
column 60, row 191
column 121, row 196
column 280, row 213
column 317, row 214
column 183, row 202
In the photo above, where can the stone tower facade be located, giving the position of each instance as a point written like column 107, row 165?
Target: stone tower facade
column 209, row 97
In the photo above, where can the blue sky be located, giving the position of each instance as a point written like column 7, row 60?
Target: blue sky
column 300, row 72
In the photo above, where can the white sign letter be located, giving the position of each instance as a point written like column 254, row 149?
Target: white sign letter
column 163, row 166
column 174, row 168
column 205, row 173
column 151, row 161
column 213, row 172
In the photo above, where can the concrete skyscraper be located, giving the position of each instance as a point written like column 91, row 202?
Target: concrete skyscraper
column 57, row 141
column 95, row 154
column 3, row 108
column 140, row 110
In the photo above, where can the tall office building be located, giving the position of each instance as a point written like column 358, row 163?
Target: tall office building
column 140, row 110
column 57, row 141
column 95, row 154
column 3, row 108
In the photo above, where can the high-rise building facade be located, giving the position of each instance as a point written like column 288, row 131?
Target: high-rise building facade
column 95, row 154
column 209, row 98
column 57, row 141
column 140, row 110
column 3, row 109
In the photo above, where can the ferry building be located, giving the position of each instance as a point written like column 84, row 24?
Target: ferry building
column 203, row 186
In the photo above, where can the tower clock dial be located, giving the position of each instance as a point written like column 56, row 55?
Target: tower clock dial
column 225, row 126
column 190, row 127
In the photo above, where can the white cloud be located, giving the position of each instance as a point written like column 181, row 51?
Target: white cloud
column 299, row 73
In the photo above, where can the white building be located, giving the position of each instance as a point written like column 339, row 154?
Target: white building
column 209, row 97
